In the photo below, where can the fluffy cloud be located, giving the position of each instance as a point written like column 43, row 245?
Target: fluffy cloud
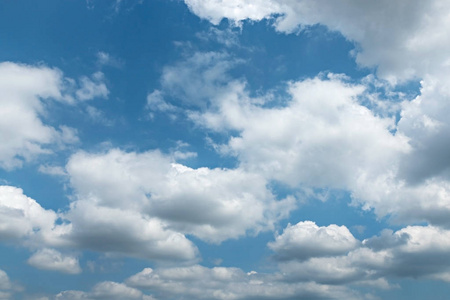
column 50, row 259
column 305, row 239
column 93, row 87
column 22, row 218
column 294, row 143
column 25, row 92
column 324, row 137
column 412, row 252
column 425, row 120
column 198, row 282
column 125, row 232
column 395, row 36
column 7, row 288
column 86, row 226
column 105, row 290
column 231, row 202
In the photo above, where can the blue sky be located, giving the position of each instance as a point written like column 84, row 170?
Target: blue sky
column 208, row 149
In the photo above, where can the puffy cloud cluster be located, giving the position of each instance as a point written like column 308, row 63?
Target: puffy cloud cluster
column 22, row 218
column 314, row 263
column 140, row 205
column 305, row 240
column 414, row 252
column 406, row 175
column 212, row 204
column 322, row 137
column 105, row 290
column 198, row 282
column 85, row 226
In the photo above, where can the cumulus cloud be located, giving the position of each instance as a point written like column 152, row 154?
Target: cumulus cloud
column 93, row 87
column 198, row 282
column 425, row 119
column 403, row 41
column 231, row 202
column 294, row 142
column 394, row 36
column 325, row 137
column 411, row 252
column 105, row 290
column 50, row 259
column 106, row 59
column 25, row 93
column 305, row 240
column 125, row 232
column 22, row 217
column 24, row 90
column 86, row 226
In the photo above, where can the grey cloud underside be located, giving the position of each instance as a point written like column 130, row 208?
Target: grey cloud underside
column 412, row 252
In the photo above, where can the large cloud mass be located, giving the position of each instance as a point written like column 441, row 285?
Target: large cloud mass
column 213, row 204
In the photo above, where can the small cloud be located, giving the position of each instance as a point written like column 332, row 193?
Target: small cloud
column 52, row 170
column 52, row 260
column 98, row 116
column 106, row 59
column 93, row 87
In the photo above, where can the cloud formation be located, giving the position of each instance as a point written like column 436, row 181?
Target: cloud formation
column 50, row 259
column 395, row 37
column 25, row 93
column 231, row 202
column 305, row 240
column 198, row 282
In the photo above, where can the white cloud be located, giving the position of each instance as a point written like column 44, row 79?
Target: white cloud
column 93, row 87
column 198, row 282
column 50, row 259
column 24, row 92
column 5, row 283
column 7, row 287
column 305, row 239
column 323, row 137
column 22, row 217
column 404, row 39
column 412, row 252
column 105, row 290
column 106, row 59
column 113, row 290
column 52, row 170
column 86, row 225
column 425, row 120
column 156, row 103
column 197, row 79
column 231, row 202
column 125, row 232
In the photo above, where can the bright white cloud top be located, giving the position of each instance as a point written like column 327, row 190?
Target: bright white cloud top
column 209, row 149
